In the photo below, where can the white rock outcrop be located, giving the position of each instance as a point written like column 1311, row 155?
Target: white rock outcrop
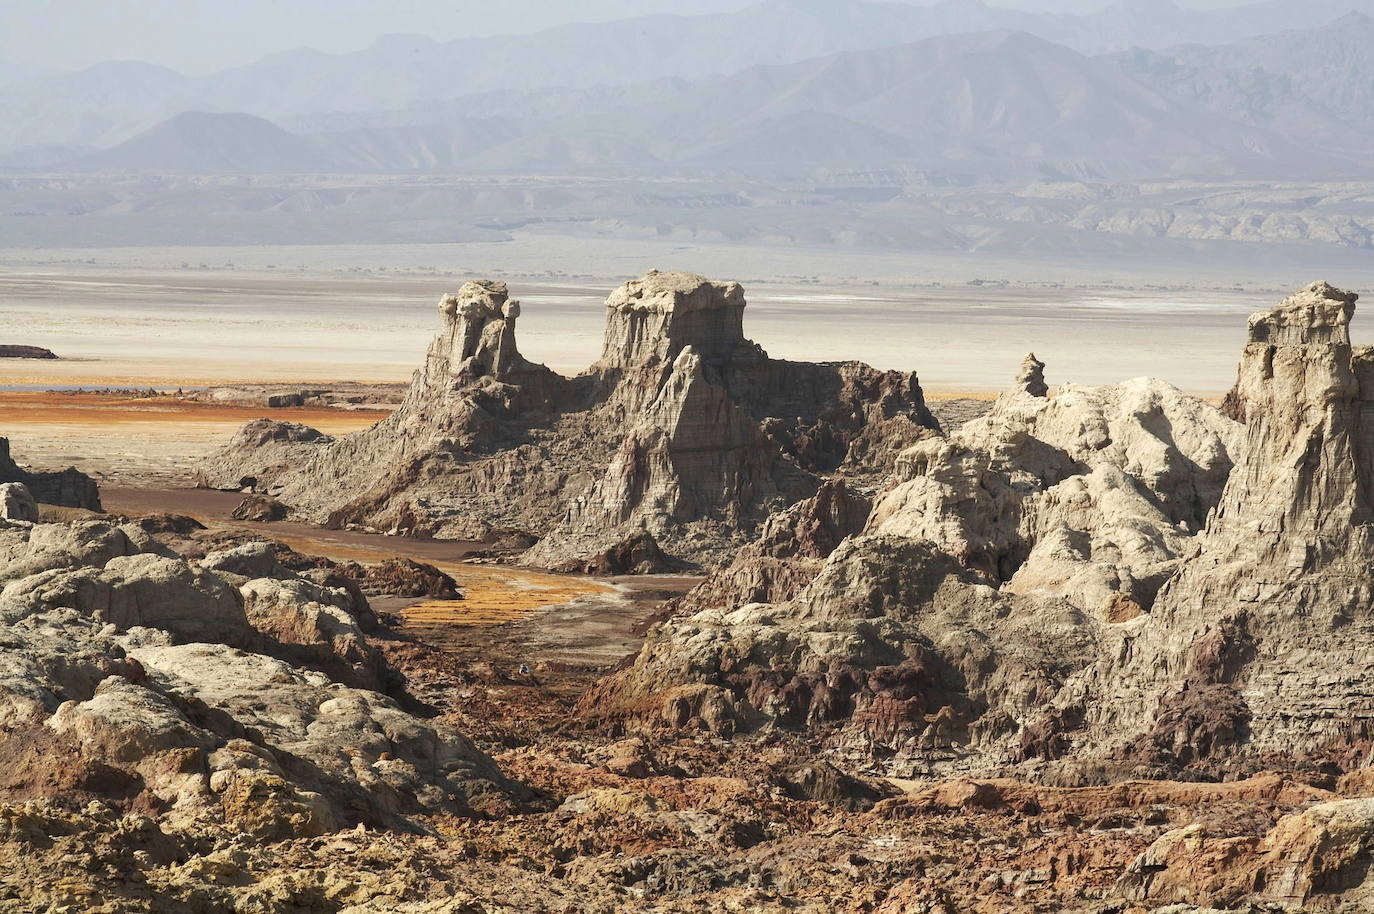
column 1099, row 583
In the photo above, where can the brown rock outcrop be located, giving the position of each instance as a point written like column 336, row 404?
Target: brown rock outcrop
column 259, row 508
column 705, row 434
column 402, row 577
column 1314, row 860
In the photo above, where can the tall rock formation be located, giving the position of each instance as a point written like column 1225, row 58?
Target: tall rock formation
column 655, row 318
column 1260, row 647
column 1082, row 585
column 683, row 429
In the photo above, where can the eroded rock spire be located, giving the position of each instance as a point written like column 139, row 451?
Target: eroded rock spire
column 479, row 332
column 1031, row 377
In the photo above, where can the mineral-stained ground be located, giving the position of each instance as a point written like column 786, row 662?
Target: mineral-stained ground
column 1085, row 649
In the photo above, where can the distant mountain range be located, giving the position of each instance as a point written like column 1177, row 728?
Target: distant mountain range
column 960, row 92
column 198, row 142
column 1315, row 86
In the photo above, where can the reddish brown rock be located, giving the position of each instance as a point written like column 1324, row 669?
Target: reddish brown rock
column 259, row 508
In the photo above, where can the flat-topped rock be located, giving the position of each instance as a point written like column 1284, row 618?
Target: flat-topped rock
column 661, row 314
column 26, row 352
column 1318, row 314
column 684, row 434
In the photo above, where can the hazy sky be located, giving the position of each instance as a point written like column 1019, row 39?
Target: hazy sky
column 201, row 36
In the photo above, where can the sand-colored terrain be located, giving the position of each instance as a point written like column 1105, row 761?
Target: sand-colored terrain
column 148, row 325
column 144, row 441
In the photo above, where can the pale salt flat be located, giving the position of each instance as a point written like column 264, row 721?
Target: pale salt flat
column 131, row 318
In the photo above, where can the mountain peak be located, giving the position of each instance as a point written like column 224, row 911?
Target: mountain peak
column 210, row 141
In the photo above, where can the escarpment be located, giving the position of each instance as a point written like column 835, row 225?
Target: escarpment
column 1103, row 581
column 683, row 430
column 1259, row 647
column 69, row 488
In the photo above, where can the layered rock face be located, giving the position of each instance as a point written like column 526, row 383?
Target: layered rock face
column 1093, row 584
column 683, row 431
column 1258, row 648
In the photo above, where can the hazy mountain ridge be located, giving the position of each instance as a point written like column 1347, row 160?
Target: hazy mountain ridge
column 985, row 104
column 966, row 108
column 1317, row 83
column 996, row 141
column 112, row 102
column 196, row 141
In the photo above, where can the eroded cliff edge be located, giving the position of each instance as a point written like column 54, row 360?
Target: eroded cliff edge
column 1106, row 583
column 683, row 429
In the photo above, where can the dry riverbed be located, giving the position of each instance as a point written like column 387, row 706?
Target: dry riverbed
column 523, row 614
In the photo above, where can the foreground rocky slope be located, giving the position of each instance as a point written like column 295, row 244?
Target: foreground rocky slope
column 169, row 742
column 682, row 429
column 228, row 692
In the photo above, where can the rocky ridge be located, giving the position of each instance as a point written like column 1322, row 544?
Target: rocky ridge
column 706, row 435
column 1103, row 583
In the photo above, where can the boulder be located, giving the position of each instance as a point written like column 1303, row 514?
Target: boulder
column 259, row 508
column 638, row 553
column 16, row 503
column 402, row 577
